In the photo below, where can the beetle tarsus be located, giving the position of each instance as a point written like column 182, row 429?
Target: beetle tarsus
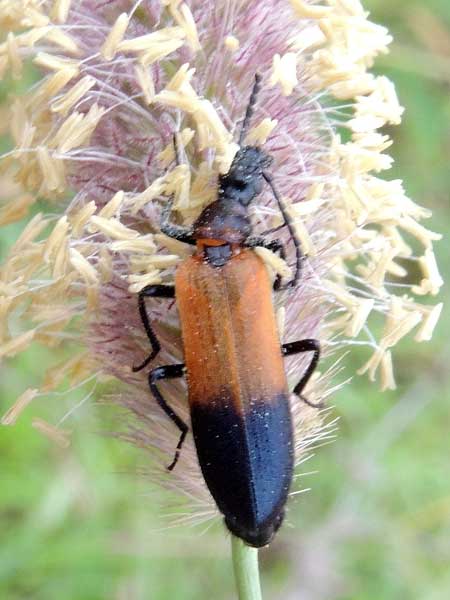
column 146, row 362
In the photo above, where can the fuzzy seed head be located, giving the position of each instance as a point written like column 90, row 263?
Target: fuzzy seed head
column 95, row 136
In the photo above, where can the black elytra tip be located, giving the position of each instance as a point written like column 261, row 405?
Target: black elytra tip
column 246, row 458
column 257, row 537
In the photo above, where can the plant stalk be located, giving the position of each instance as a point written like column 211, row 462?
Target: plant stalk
column 246, row 570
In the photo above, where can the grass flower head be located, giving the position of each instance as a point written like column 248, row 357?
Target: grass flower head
column 94, row 136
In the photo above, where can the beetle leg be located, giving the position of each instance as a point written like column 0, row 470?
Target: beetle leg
column 287, row 219
column 182, row 234
column 151, row 291
column 169, row 372
column 274, row 246
column 274, row 229
column 308, row 345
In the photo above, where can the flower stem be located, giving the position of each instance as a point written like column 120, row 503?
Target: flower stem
column 246, row 571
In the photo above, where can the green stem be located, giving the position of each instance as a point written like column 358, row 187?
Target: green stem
column 246, row 572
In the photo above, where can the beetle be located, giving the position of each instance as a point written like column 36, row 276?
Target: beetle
column 237, row 388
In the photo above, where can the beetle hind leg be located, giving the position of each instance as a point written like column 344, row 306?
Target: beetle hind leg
column 308, row 345
column 169, row 372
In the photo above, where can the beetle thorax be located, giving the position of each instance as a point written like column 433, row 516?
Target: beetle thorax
column 225, row 220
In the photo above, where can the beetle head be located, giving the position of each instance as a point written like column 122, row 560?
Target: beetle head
column 244, row 180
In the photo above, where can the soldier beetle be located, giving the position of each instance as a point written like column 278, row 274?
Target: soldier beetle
column 233, row 359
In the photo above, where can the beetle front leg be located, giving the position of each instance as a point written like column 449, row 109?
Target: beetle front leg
column 182, row 234
column 177, row 232
column 273, row 246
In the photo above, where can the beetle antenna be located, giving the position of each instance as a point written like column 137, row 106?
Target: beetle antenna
column 288, row 221
column 250, row 108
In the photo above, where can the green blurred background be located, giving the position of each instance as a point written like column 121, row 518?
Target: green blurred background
column 78, row 524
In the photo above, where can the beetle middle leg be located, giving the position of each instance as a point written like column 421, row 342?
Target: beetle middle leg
column 169, row 372
column 308, row 345
column 288, row 221
column 151, row 291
